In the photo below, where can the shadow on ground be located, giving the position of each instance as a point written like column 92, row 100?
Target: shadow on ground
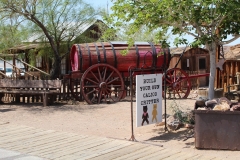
column 6, row 110
column 181, row 135
column 56, row 106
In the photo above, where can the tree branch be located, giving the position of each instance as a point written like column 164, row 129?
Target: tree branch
column 231, row 40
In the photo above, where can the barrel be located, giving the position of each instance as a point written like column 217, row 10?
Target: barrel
column 140, row 55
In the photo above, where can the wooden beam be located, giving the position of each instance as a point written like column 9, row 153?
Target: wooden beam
column 33, row 67
column 8, row 55
column 14, row 66
column 45, row 84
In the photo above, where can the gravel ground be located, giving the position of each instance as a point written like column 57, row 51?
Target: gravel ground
column 106, row 120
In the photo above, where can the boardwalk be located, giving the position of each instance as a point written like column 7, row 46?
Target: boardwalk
column 36, row 144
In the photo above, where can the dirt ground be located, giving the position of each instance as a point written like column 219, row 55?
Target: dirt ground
column 106, row 120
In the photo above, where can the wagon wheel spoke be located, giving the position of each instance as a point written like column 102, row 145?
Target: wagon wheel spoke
column 94, row 76
column 113, row 80
column 93, row 99
column 174, row 76
column 109, row 88
column 112, row 99
column 168, row 81
column 179, row 93
column 91, row 86
column 178, row 79
column 92, row 81
column 109, row 76
column 90, row 92
column 99, row 74
column 104, row 74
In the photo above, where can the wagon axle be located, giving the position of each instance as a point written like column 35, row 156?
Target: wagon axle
column 103, row 86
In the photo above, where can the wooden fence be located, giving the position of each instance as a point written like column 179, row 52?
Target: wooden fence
column 194, row 81
column 228, row 76
column 34, row 75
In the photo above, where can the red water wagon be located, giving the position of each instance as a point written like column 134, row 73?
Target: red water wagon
column 100, row 71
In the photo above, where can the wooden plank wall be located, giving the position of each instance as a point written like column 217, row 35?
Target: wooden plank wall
column 228, row 75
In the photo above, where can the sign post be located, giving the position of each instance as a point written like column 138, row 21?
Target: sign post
column 148, row 99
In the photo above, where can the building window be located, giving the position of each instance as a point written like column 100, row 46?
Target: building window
column 185, row 64
column 202, row 63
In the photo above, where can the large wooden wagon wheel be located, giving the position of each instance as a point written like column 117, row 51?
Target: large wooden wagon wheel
column 102, row 82
column 178, row 84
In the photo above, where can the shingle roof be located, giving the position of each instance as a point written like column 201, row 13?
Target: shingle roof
column 179, row 50
column 78, row 27
column 25, row 46
column 232, row 52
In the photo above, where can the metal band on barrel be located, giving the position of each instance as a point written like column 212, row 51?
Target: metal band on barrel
column 114, row 53
column 104, row 52
column 89, row 55
column 154, row 54
column 98, row 53
column 138, row 57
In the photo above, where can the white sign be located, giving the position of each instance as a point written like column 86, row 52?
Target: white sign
column 148, row 99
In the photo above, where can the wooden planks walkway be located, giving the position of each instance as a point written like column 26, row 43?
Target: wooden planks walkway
column 49, row 144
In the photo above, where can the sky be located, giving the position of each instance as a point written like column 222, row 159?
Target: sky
column 100, row 3
column 107, row 4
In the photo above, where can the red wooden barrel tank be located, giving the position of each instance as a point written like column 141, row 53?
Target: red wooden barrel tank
column 140, row 55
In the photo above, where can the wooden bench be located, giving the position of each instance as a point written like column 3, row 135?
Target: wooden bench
column 45, row 88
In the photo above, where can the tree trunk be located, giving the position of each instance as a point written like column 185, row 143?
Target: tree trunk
column 212, row 51
column 56, row 68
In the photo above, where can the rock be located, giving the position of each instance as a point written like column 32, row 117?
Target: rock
column 190, row 126
column 160, row 124
column 173, row 123
column 222, row 106
column 200, row 102
column 235, row 108
column 224, row 99
column 211, row 103
column 201, row 108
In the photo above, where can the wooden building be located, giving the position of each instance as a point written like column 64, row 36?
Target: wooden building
column 89, row 32
column 231, row 68
column 194, row 61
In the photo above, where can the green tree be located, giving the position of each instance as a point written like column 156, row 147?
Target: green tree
column 121, row 34
column 10, row 36
column 208, row 21
column 120, row 31
column 55, row 22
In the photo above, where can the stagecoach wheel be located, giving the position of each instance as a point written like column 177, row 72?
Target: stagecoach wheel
column 102, row 83
column 178, row 84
